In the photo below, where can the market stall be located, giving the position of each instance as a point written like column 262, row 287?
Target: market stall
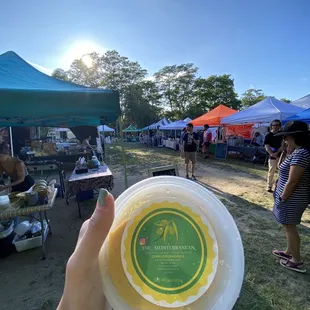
column 131, row 133
column 156, row 125
column 214, row 117
column 31, row 98
column 175, row 129
column 263, row 112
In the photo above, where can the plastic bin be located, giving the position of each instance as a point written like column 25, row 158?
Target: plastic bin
column 27, row 244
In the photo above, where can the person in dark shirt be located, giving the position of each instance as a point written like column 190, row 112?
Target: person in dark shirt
column 190, row 143
column 274, row 146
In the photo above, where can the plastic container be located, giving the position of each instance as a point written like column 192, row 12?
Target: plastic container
column 96, row 162
column 173, row 245
column 30, row 243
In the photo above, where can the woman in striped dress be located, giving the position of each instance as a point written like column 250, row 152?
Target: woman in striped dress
column 292, row 192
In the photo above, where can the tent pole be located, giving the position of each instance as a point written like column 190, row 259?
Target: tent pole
column 11, row 142
column 105, row 146
column 123, row 152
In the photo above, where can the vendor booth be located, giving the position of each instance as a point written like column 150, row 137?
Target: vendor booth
column 31, row 98
column 214, row 117
column 131, row 133
column 172, row 141
column 262, row 112
column 156, row 125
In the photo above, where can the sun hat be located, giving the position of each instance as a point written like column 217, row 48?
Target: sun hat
column 293, row 127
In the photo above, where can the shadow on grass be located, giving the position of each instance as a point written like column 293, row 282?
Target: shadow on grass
column 266, row 285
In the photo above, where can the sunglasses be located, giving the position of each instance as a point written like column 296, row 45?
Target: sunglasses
column 275, row 125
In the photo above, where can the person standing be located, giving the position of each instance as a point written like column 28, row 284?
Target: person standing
column 190, row 144
column 273, row 145
column 292, row 192
column 207, row 139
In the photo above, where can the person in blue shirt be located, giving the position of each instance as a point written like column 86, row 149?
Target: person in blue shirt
column 190, row 144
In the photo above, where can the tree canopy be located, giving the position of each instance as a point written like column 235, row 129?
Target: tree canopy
column 174, row 91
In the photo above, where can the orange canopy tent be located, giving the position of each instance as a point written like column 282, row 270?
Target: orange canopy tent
column 213, row 117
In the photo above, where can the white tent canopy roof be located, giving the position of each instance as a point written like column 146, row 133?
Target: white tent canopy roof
column 264, row 111
column 177, row 125
column 162, row 122
column 106, row 128
column 303, row 102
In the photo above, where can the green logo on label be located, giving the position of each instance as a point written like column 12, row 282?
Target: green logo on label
column 166, row 228
column 169, row 251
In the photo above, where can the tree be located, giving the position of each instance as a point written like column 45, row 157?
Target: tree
column 176, row 86
column 211, row 92
column 118, row 72
column 286, row 100
column 110, row 70
column 60, row 74
column 141, row 104
column 88, row 73
column 251, row 97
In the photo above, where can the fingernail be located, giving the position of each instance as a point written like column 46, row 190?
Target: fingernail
column 103, row 193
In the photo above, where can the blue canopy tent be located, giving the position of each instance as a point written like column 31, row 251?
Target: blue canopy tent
column 302, row 116
column 264, row 111
column 29, row 97
column 303, row 102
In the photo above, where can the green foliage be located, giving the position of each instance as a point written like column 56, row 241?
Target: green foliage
column 210, row 92
column 141, row 104
column 251, row 97
column 286, row 100
column 60, row 74
column 176, row 86
column 175, row 92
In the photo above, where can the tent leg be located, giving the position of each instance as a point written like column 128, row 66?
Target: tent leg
column 123, row 153
column 11, row 142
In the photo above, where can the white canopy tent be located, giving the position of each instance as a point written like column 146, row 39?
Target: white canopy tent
column 177, row 125
column 156, row 125
column 105, row 128
column 303, row 102
column 264, row 111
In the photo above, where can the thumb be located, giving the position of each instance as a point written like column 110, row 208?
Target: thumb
column 98, row 227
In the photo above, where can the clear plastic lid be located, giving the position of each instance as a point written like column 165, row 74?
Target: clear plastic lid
column 173, row 245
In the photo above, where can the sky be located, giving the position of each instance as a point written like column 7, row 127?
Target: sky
column 262, row 44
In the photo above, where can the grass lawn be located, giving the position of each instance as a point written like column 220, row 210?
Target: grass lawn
column 266, row 284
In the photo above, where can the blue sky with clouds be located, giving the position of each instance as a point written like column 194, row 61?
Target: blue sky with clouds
column 263, row 44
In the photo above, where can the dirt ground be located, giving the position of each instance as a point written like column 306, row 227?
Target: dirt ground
column 29, row 283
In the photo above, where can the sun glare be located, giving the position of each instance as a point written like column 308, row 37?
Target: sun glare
column 79, row 50
column 87, row 60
